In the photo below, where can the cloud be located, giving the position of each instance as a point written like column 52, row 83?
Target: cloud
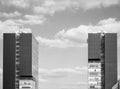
column 61, row 72
column 19, row 3
column 77, row 37
column 75, row 85
column 27, row 19
column 52, row 74
column 110, row 25
column 31, row 19
column 41, row 80
column 16, row 3
column 79, row 83
column 64, row 78
column 10, row 15
column 10, row 26
column 52, row 6
column 49, row 7
column 58, row 42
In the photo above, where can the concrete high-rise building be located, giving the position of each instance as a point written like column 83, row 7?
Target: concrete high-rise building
column 20, row 59
column 102, row 60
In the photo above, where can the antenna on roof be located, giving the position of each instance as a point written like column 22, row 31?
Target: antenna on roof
column 20, row 28
column 19, row 31
column 103, row 31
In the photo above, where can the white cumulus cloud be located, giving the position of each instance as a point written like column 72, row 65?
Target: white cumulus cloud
column 10, row 26
column 31, row 19
column 61, row 72
column 77, row 37
column 16, row 3
column 10, row 15
column 52, row 6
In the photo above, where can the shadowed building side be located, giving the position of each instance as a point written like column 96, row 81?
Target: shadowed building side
column 110, row 60
column 9, row 61
column 25, row 55
column 29, row 57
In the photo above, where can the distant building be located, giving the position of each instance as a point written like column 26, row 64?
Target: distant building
column 20, row 59
column 117, row 85
column 102, row 60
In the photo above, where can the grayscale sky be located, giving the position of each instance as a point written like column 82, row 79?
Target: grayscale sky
column 61, row 28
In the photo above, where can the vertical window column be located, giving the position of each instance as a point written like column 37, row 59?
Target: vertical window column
column 17, row 60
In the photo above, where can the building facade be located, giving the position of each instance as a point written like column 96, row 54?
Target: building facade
column 102, row 60
column 20, row 59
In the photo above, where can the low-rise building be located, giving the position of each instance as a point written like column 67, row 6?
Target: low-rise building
column 27, row 83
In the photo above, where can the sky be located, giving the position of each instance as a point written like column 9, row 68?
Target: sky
column 61, row 28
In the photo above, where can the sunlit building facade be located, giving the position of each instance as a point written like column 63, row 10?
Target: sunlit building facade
column 102, row 60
